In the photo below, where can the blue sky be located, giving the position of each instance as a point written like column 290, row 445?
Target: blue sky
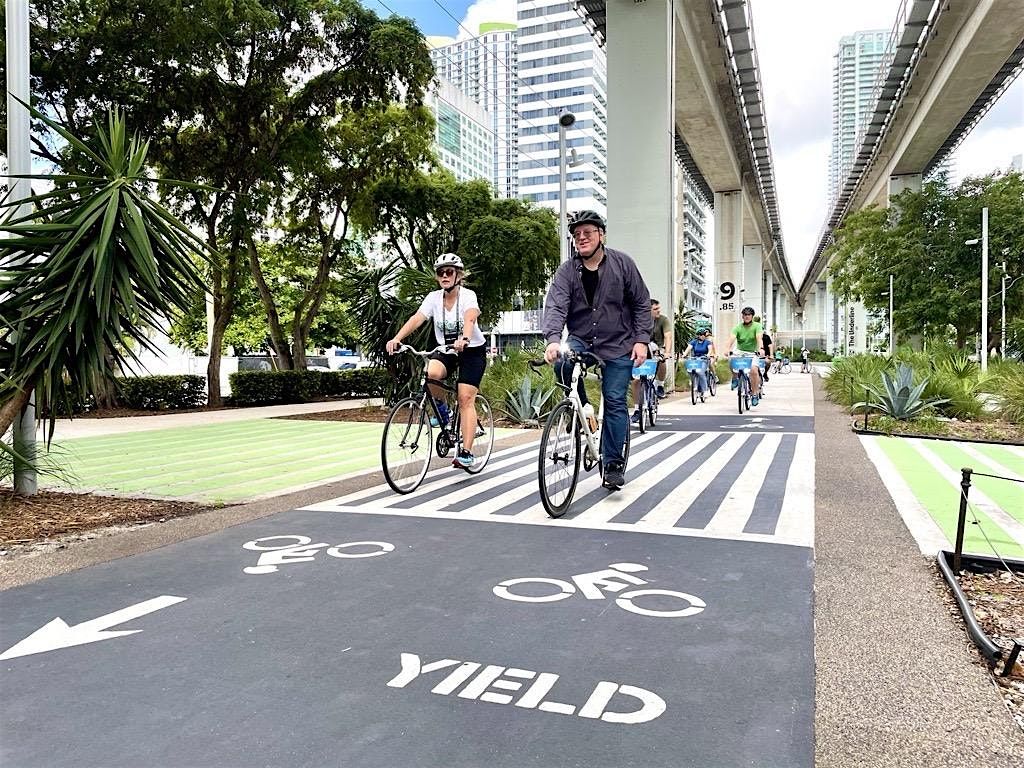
column 429, row 16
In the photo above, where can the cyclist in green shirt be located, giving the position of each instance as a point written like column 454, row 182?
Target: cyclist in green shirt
column 747, row 336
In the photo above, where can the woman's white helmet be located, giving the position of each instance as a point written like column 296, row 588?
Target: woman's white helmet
column 448, row 260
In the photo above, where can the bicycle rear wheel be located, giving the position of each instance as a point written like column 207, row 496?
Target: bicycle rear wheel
column 483, row 443
column 558, row 469
column 406, row 445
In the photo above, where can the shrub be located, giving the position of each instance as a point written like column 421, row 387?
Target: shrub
column 1009, row 392
column 899, row 398
column 159, row 393
column 851, row 376
column 269, row 387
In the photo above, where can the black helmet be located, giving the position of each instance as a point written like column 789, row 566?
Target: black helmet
column 586, row 217
column 747, row 311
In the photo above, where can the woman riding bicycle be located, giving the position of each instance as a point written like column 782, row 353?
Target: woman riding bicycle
column 702, row 346
column 454, row 311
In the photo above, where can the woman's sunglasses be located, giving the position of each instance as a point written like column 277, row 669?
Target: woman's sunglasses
column 446, row 272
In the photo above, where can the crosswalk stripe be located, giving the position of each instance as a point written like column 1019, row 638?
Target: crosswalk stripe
column 708, row 484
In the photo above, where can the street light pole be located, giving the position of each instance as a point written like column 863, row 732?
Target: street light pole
column 892, row 337
column 984, row 289
column 1002, row 316
column 565, row 120
column 19, row 163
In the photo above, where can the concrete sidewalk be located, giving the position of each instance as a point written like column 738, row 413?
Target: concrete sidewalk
column 898, row 682
column 68, row 429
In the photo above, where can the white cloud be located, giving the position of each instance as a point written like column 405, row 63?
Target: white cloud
column 484, row 11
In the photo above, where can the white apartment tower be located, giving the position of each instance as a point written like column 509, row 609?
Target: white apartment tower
column 858, row 61
column 561, row 69
column 484, row 69
column 463, row 139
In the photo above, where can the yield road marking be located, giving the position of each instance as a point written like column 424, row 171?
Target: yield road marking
column 57, row 633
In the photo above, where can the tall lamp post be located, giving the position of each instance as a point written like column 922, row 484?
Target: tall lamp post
column 984, row 286
column 892, row 333
column 19, row 162
column 565, row 121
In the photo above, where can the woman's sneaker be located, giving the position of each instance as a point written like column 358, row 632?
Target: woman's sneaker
column 464, row 459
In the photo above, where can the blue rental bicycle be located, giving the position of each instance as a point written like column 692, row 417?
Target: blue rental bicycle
column 741, row 366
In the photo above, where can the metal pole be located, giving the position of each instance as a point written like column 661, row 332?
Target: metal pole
column 961, row 521
column 19, row 159
column 984, row 289
column 563, row 229
column 892, row 343
column 1002, row 317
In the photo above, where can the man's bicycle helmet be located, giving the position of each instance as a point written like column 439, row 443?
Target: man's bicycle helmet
column 586, row 217
column 448, row 260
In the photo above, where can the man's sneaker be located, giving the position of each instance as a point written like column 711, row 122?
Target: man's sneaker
column 465, row 460
column 635, row 418
column 614, row 475
column 754, row 400
column 734, row 384
column 660, row 390
column 442, row 408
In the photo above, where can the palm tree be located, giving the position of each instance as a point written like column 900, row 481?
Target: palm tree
column 94, row 265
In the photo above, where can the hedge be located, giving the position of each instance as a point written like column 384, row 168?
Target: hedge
column 271, row 387
column 159, row 393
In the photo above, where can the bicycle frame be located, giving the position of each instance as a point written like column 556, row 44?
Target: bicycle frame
column 592, row 436
column 451, row 429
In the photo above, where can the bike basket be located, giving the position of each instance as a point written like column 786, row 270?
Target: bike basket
column 694, row 364
column 741, row 363
column 647, row 369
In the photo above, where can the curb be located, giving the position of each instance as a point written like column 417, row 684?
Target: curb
column 876, row 433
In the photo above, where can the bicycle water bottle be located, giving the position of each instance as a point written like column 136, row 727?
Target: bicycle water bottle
column 442, row 408
column 588, row 413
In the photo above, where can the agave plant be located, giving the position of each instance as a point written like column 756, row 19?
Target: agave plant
column 900, row 398
column 93, row 265
column 525, row 405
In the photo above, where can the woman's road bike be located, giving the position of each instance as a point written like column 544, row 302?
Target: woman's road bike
column 570, row 439
column 647, row 394
column 408, row 442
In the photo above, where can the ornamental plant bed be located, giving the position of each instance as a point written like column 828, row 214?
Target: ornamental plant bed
column 996, row 430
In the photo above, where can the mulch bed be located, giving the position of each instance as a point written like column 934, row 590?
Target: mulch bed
column 27, row 520
column 996, row 430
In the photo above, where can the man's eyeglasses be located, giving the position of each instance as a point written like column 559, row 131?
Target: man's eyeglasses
column 449, row 272
column 580, row 234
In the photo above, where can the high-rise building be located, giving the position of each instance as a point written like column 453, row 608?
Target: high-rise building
column 561, row 69
column 858, row 62
column 463, row 138
column 484, row 69
column 692, row 216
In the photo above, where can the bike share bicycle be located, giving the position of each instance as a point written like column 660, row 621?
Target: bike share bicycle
column 647, row 394
column 408, row 441
column 741, row 366
column 694, row 366
column 565, row 433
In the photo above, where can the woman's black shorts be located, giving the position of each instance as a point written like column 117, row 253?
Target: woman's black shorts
column 471, row 363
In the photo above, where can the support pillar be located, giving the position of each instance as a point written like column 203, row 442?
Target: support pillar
column 641, row 214
column 728, row 265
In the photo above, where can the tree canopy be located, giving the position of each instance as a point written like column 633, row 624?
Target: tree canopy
column 920, row 240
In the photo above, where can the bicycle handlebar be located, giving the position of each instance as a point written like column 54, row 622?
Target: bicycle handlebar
column 443, row 348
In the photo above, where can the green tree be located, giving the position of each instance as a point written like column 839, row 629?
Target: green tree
column 87, row 272
column 236, row 94
column 920, row 241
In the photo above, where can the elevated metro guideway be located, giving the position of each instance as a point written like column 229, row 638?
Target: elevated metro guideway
column 699, row 99
column 948, row 63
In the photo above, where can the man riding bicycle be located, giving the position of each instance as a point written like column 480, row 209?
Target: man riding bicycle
column 454, row 311
column 747, row 336
column 601, row 298
column 662, row 337
column 702, row 346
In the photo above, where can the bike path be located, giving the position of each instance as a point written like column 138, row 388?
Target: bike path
column 303, row 665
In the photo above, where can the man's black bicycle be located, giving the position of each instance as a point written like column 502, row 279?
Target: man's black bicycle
column 408, row 442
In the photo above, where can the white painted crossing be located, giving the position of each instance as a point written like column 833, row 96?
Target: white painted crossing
column 728, row 485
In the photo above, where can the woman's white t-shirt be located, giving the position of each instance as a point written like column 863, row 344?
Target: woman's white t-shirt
column 449, row 323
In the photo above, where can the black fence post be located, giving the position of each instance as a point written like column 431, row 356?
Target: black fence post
column 961, row 521
column 865, row 409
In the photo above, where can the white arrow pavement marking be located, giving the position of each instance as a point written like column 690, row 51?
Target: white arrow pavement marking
column 57, row 634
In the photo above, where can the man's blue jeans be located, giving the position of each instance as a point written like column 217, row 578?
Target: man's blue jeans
column 617, row 375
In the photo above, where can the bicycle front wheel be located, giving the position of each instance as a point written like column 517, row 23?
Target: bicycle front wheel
column 558, row 470
column 483, row 442
column 407, row 444
column 641, row 406
column 739, row 392
column 652, row 405
column 712, row 381
column 693, row 388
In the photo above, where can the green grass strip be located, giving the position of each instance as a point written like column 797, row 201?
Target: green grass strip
column 942, row 501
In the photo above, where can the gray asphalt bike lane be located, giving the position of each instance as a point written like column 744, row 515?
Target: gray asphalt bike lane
column 429, row 653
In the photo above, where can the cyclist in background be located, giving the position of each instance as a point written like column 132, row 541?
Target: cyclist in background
column 805, row 360
column 601, row 298
column 702, row 346
column 768, row 345
column 747, row 337
column 662, row 337
column 454, row 311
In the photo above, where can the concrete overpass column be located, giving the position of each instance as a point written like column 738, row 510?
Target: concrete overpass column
column 641, row 214
column 753, row 279
column 897, row 184
column 728, row 265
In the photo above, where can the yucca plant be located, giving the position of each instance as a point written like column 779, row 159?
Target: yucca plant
column 95, row 264
column 526, row 404
column 900, row 399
